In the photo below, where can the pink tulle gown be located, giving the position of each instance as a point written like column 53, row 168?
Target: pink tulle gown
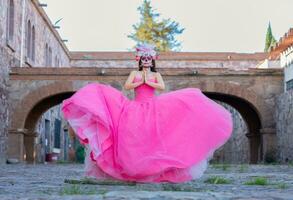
column 152, row 138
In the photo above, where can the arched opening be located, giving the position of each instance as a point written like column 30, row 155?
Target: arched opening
column 251, row 117
column 37, row 102
column 33, row 117
column 246, row 109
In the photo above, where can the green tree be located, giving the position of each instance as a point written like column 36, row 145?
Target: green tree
column 270, row 39
column 159, row 33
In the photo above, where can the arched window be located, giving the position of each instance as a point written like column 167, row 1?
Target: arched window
column 10, row 20
column 56, row 61
column 33, row 43
column 46, row 55
column 50, row 56
column 28, row 40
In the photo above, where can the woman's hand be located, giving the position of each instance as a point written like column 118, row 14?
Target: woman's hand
column 145, row 76
column 141, row 81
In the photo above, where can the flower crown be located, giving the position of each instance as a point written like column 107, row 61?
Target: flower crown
column 145, row 49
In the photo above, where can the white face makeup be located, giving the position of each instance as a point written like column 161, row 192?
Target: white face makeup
column 146, row 61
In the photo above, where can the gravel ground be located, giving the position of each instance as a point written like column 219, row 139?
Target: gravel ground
column 220, row 181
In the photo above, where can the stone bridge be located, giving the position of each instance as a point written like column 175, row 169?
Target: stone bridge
column 251, row 92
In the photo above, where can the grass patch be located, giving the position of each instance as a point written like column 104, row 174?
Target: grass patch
column 271, row 163
column 223, row 166
column 169, row 187
column 76, row 190
column 290, row 163
column 178, row 187
column 63, row 162
column 257, row 181
column 90, row 181
column 243, row 168
column 217, row 180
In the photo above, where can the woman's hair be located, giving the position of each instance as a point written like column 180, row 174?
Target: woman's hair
column 153, row 67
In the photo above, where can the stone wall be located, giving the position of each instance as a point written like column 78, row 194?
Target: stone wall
column 7, row 60
column 44, row 33
column 238, row 143
column 3, row 105
column 10, row 53
column 284, row 117
column 237, row 65
column 241, row 84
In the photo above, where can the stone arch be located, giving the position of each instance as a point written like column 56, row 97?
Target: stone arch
column 33, row 105
column 248, row 104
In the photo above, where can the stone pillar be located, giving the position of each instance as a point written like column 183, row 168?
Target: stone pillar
column 269, row 144
column 16, row 144
column 254, row 147
column 30, row 147
column 4, row 112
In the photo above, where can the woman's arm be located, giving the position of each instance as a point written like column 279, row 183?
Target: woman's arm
column 160, row 85
column 129, row 82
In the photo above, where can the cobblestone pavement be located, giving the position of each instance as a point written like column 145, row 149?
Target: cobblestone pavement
column 221, row 181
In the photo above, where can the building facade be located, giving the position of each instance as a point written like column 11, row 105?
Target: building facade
column 28, row 39
column 283, row 51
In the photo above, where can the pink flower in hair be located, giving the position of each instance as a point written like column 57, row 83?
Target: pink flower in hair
column 146, row 49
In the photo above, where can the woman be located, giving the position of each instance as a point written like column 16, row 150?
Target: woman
column 152, row 138
column 147, row 67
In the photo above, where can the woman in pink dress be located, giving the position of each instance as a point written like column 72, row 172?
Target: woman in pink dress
column 153, row 138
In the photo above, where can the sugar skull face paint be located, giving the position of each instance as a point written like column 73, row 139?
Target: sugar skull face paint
column 146, row 61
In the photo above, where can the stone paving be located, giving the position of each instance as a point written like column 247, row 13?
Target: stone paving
column 220, row 181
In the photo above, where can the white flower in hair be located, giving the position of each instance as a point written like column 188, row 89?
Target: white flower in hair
column 146, row 49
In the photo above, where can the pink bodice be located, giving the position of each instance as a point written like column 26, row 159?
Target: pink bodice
column 144, row 92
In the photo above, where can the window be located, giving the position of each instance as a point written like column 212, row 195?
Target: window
column 33, row 44
column 10, row 20
column 56, row 61
column 30, row 42
column 47, row 136
column 289, row 85
column 57, row 133
column 28, row 39
column 50, row 56
column 46, row 54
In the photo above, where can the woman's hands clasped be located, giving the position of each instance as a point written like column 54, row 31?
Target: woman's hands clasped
column 143, row 77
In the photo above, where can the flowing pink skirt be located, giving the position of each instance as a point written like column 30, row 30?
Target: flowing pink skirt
column 170, row 137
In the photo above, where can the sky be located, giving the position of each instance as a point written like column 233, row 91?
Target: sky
column 210, row 25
